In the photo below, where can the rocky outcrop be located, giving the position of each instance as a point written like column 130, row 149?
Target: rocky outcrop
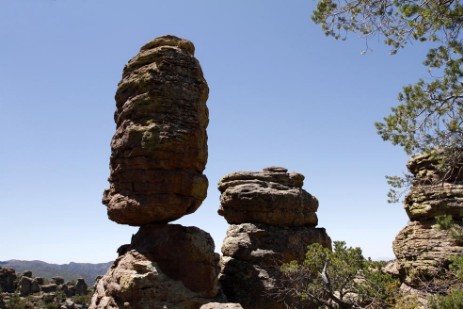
column 273, row 221
column 7, row 280
column 159, row 150
column 165, row 266
column 421, row 248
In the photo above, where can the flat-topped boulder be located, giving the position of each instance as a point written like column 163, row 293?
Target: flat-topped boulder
column 159, row 150
column 272, row 196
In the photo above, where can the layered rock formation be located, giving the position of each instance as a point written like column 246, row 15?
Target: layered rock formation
column 272, row 222
column 159, row 152
column 165, row 266
column 421, row 248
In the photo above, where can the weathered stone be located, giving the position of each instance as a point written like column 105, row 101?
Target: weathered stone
column 423, row 252
column 159, row 150
column 272, row 196
column 221, row 306
column 81, row 287
column 425, row 169
column 425, row 202
column 27, row 286
column 58, row 280
column 49, row 288
column 7, row 280
column 165, row 265
column 253, row 254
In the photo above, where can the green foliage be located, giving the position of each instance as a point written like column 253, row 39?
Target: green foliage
column 453, row 300
column 444, row 222
column 455, row 229
column 341, row 278
column 430, row 112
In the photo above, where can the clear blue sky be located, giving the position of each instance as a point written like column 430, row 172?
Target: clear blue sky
column 281, row 93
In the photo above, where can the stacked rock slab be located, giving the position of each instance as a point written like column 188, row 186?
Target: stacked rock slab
column 423, row 250
column 272, row 221
column 159, row 152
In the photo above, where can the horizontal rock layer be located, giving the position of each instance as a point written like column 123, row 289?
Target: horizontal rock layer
column 159, row 150
column 423, row 252
column 272, row 196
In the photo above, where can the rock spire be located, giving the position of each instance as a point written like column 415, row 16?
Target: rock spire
column 272, row 221
column 421, row 248
column 159, row 152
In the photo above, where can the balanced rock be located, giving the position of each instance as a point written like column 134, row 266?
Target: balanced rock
column 272, row 196
column 165, row 266
column 159, row 150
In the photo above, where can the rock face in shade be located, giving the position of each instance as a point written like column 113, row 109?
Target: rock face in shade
column 253, row 254
column 272, row 196
column 422, row 250
column 159, row 150
column 273, row 221
column 165, row 266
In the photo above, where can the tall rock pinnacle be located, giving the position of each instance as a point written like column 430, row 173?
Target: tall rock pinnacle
column 159, row 150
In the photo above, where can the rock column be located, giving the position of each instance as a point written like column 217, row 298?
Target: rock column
column 272, row 221
column 421, row 248
column 159, row 152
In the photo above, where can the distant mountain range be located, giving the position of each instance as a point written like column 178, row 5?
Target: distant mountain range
column 69, row 271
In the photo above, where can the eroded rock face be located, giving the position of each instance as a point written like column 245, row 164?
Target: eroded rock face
column 272, row 222
column 7, row 279
column 165, row 265
column 159, row 150
column 253, row 254
column 423, row 251
column 272, row 196
column 421, row 248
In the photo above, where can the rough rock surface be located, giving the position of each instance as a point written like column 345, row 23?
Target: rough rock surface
column 165, row 266
column 159, row 150
column 253, row 254
column 272, row 196
column 221, row 306
column 422, row 251
column 421, row 248
column 7, row 279
column 272, row 222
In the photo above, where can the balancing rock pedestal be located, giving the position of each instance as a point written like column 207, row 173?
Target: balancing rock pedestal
column 421, row 248
column 272, row 221
column 159, row 152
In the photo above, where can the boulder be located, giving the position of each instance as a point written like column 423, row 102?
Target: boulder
column 27, row 286
column 81, row 287
column 253, row 254
column 159, row 150
column 165, row 265
column 272, row 196
column 7, row 280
